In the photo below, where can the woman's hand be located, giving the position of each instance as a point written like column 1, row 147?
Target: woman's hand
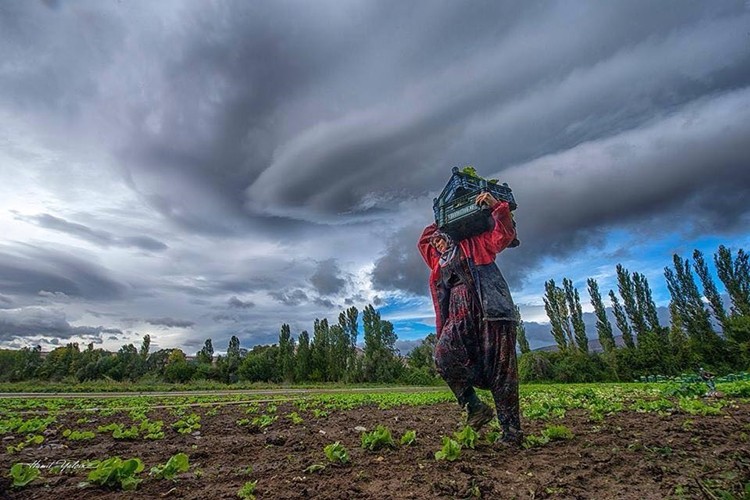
column 486, row 199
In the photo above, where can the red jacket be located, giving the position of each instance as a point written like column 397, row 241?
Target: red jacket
column 480, row 251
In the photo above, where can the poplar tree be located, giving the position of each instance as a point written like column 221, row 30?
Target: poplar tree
column 621, row 320
column 735, row 274
column 687, row 299
column 320, row 346
column 678, row 340
column 338, row 352
column 554, row 304
column 348, row 320
column 646, row 304
column 145, row 347
column 709, row 288
column 381, row 363
column 232, row 362
column 694, row 315
column 303, row 359
column 654, row 354
column 603, row 326
column 576, row 315
column 233, row 349
column 632, row 306
column 206, row 354
column 285, row 354
column 523, row 343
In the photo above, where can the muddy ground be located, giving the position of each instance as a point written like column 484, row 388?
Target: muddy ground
column 627, row 455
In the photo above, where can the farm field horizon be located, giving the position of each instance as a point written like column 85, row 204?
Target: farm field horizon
column 659, row 440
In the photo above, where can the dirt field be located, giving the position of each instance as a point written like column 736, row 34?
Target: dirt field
column 627, row 455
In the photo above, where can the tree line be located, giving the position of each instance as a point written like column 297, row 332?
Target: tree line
column 331, row 354
column 702, row 332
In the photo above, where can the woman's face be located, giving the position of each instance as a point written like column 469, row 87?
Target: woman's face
column 440, row 244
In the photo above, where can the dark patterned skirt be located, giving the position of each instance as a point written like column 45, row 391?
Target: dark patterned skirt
column 475, row 353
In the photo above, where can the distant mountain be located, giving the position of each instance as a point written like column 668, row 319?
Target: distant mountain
column 540, row 337
column 594, row 345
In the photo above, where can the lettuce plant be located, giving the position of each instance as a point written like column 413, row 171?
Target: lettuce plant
column 377, row 439
column 117, row 473
column 451, row 450
column 176, row 464
column 22, row 474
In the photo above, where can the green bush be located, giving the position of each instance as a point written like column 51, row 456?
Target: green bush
column 419, row 376
column 535, row 367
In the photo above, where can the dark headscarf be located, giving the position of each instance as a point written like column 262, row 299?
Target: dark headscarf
column 450, row 252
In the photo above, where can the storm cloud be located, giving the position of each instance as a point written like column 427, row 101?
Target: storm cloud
column 190, row 161
column 326, row 279
column 28, row 270
column 170, row 322
column 38, row 322
column 96, row 236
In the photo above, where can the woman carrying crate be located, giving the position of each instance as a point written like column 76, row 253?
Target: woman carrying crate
column 476, row 319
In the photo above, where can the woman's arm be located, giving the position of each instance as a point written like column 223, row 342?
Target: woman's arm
column 498, row 238
column 429, row 253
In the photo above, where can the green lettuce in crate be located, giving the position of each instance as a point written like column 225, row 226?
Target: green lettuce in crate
column 469, row 170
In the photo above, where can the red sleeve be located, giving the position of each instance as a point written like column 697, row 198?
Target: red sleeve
column 498, row 239
column 429, row 253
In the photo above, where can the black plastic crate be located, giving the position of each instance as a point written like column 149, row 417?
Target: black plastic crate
column 456, row 212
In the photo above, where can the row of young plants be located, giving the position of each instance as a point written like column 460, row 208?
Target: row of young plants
column 383, row 400
column 537, row 402
column 142, row 428
column 691, row 378
column 116, row 473
column 467, row 438
column 112, row 473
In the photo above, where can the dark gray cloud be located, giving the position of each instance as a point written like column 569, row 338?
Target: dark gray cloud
column 402, row 267
column 283, row 118
column 325, row 303
column 35, row 321
column 28, row 270
column 567, row 202
column 290, row 297
column 240, row 304
column 327, row 278
column 143, row 242
column 194, row 344
column 95, row 236
column 65, row 78
column 170, row 322
column 480, row 114
column 225, row 317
